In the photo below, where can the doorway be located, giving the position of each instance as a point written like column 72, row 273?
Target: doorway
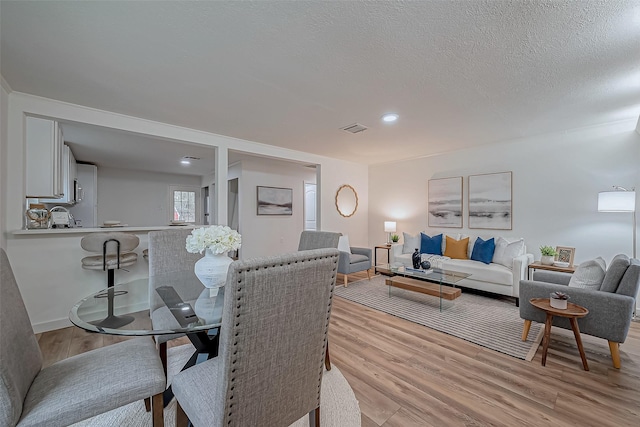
column 310, row 212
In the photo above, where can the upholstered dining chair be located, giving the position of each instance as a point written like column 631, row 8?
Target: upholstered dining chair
column 168, row 254
column 311, row 239
column 72, row 389
column 115, row 252
column 272, row 343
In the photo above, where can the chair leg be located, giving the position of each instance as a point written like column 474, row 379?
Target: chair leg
column 368, row 273
column 314, row 418
column 327, row 359
column 162, row 351
column 345, row 281
column 181, row 417
column 147, row 404
column 614, row 348
column 157, row 408
column 525, row 329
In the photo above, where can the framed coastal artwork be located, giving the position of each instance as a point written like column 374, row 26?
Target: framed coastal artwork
column 445, row 202
column 490, row 201
column 275, row 201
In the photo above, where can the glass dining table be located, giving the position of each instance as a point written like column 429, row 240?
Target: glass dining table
column 177, row 303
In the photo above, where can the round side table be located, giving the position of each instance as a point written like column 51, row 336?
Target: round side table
column 573, row 312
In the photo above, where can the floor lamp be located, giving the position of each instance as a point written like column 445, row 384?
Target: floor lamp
column 619, row 200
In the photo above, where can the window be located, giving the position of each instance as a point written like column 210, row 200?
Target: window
column 184, row 204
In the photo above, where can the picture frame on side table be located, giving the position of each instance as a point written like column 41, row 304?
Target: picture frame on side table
column 565, row 254
column 445, row 202
column 275, row 201
column 490, row 201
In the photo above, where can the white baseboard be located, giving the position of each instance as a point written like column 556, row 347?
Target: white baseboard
column 65, row 322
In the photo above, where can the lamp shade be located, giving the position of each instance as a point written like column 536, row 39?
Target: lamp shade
column 617, row 201
column 390, row 226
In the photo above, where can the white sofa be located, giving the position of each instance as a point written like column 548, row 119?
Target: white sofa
column 495, row 278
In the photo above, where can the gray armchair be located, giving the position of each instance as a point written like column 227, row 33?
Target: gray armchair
column 610, row 308
column 358, row 260
column 72, row 389
column 272, row 342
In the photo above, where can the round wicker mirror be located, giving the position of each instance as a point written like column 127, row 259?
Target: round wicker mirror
column 346, row 200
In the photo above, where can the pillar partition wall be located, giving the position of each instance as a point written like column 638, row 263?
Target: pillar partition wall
column 222, row 190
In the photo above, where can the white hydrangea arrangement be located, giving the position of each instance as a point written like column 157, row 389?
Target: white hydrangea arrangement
column 219, row 238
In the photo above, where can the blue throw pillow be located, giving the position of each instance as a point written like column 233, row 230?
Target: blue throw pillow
column 483, row 250
column 431, row 245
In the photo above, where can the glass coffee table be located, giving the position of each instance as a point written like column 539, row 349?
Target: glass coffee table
column 434, row 281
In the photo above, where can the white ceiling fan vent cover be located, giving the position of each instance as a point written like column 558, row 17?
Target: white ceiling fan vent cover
column 354, row 128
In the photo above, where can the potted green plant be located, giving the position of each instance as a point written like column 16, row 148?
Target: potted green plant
column 548, row 252
column 395, row 238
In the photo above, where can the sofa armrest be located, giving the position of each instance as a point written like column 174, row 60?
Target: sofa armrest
column 519, row 269
column 361, row 251
column 609, row 314
column 344, row 262
column 396, row 250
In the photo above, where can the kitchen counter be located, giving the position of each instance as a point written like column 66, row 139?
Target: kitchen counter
column 79, row 230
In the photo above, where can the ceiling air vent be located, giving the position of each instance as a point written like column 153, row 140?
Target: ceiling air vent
column 354, row 128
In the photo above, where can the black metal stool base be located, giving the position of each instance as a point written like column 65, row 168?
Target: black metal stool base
column 114, row 322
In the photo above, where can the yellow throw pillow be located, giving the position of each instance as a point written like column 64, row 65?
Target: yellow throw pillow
column 456, row 249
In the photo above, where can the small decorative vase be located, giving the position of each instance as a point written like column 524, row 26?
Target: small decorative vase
column 212, row 269
column 415, row 259
column 546, row 260
column 425, row 265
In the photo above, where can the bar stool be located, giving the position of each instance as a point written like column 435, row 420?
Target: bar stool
column 115, row 251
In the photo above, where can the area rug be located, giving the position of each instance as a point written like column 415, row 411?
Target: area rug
column 338, row 408
column 490, row 322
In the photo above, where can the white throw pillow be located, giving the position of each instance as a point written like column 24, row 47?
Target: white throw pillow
column 505, row 252
column 343, row 244
column 410, row 243
column 589, row 274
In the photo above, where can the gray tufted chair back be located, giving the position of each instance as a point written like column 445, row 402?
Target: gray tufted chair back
column 272, row 344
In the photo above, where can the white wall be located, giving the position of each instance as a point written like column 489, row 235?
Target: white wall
column 137, row 198
column 266, row 234
column 556, row 180
column 4, row 142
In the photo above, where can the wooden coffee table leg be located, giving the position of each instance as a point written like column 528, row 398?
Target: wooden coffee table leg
column 547, row 338
column 576, row 333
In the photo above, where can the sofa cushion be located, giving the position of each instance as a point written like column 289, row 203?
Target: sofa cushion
column 456, row 249
column 589, row 274
column 506, row 251
column 493, row 273
column 631, row 280
column 431, row 245
column 435, row 260
column 616, row 270
column 483, row 250
column 343, row 244
column 355, row 258
column 411, row 243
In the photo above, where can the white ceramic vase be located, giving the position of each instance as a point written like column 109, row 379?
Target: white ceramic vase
column 212, row 269
column 546, row 260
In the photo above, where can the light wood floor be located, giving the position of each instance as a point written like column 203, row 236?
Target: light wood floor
column 404, row 374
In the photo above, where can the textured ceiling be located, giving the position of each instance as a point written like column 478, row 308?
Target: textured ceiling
column 459, row 73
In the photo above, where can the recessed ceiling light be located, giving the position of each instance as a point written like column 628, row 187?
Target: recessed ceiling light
column 185, row 162
column 390, row 117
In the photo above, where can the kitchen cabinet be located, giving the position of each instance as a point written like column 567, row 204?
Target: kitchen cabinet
column 69, row 179
column 44, row 158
